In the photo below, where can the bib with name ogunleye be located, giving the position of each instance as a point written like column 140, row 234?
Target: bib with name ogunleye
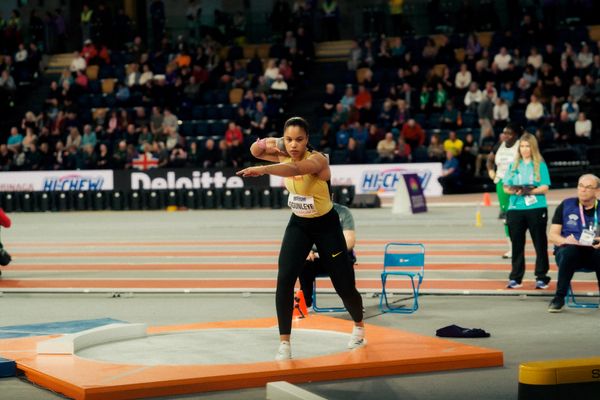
column 302, row 206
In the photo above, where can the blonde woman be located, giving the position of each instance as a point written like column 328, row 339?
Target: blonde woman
column 527, row 181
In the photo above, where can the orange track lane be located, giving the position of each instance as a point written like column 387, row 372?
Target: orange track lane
column 240, row 267
column 459, row 284
column 239, row 243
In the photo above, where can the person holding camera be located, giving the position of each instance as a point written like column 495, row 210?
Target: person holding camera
column 5, row 222
column 527, row 181
column 574, row 232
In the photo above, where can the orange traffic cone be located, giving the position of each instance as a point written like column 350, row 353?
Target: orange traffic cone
column 300, row 310
column 487, row 201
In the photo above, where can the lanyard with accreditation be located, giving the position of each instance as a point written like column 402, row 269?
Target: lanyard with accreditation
column 588, row 234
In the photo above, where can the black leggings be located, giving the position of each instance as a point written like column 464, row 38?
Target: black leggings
column 518, row 222
column 300, row 235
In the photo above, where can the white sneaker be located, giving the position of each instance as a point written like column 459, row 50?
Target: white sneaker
column 508, row 254
column 357, row 339
column 284, row 352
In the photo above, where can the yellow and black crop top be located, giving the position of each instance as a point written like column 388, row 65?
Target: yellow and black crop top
column 309, row 195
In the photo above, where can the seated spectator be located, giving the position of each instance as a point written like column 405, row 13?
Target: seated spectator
column 386, row 149
column 355, row 56
column 413, row 134
column 468, row 155
column 362, row 97
column 170, row 120
column 78, row 63
column 243, row 120
column 14, row 140
column 89, row 51
column 585, row 57
column 8, row 86
column 507, row 93
column 535, row 59
column 487, row 142
column 178, row 157
column 425, row 99
column 502, row 59
column 81, row 80
column 342, row 137
column 473, row 97
column 74, row 138
column 355, row 153
column 501, row 113
column 271, row 71
column 583, row 130
column 193, row 156
column 577, row 243
column 211, row 155
column 386, row 116
column 5, row 158
column 119, row 159
column 88, row 157
column 450, row 176
column 576, row 90
column 260, row 121
column 279, row 84
column 146, row 76
column 463, row 79
column 329, row 101
column 339, row 117
column 435, row 149
column 440, row 97
column 89, row 136
column 401, row 115
column 564, row 130
column 347, row 101
column 403, row 152
column 285, row 70
column 103, row 161
column 534, row 112
column 450, row 117
column 572, row 109
column 453, row 144
column 122, row 94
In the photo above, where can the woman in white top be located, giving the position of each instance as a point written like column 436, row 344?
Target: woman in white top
column 535, row 58
column 534, row 111
column 463, row 79
column 271, row 71
column 583, row 129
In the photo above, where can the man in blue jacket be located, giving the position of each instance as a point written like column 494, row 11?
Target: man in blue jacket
column 574, row 232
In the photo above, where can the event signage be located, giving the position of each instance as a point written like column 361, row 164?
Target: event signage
column 409, row 197
column 50, row 181
column 185, row 178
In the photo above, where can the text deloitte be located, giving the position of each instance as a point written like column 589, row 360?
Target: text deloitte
column 141, row 180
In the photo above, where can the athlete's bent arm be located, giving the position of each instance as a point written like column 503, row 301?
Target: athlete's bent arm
column 314, row 164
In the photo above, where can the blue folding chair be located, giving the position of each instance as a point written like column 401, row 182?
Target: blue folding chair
column 572, row 302
column 402, row 260
column 315, row 307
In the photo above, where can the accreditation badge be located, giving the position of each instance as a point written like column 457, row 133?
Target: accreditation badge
column 530, row 200
column 587, row 237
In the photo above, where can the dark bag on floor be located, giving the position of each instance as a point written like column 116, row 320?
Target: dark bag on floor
column 5, row 258
column 460, row 332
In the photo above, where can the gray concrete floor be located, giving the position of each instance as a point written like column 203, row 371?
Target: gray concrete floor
column 519, row 324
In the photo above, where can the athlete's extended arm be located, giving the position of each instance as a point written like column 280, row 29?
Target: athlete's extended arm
column 314, row 164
